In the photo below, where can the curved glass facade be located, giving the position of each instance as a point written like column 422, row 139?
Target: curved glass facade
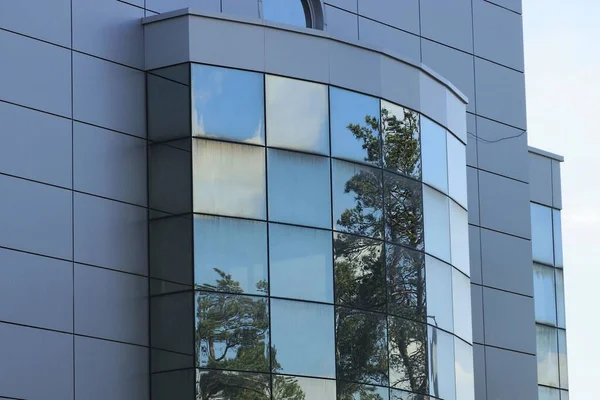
column 307, row 242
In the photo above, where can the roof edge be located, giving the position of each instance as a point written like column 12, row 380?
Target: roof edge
column 546, row 154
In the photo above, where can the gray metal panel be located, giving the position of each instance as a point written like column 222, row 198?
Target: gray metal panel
column 479, row 371
column 401, row 14
column 111, row 305
column 36, row 364
column 473, row 195
column 35, row 145
column 341, row 23
column 36, row 290
column 506, row 262
column 514, row 5
column 500, row 93
column 504, row 204
column 448, row 22
column 245, row 8
column 109, row 29
column 475, row 253
column 350, row 5
column 363, row 73
column 540, row 179
column 471, row 149
column 386, row 37
column 510, row 375
column 477, row 312
column 109, row 164
column 109, row 95
column 400, row 83
column 166, row 43
column 110, row 234
column 509, row 321
column 42, row 19
column 107, row 370
column 498, row 34
column 162, row 6
column 35, row 74
column 556, row 185
column 36, row 217
column 502, row 149
column 433, row 100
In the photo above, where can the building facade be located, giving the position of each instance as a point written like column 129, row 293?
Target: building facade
column 269, row 199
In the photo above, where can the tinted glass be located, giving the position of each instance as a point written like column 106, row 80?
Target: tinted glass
column 170, row 324
column 355, row 126
column 465, row 383
column 544, row 294
column 546, row 393
column 541, row 234
column 359, row 272
column 299, row 188
column 168, row 103
column 228, row 103
column 297, row 388
column 437, row 223
column 560, row 299
column 222, row 385
column 232, row 332
column 439, row 293
column 408, row 355
column 297, row 115
column 301, row 262
column 557, row 226
column 459, row 237
column 355, row 391
column 357, row 199
column 292, row 12
column 461, row 295
column 401, row 141
column 302, row 338
column 230, row 255
column 173, row 385
column 562, row 359
column 403, row 204
column 547, row 355
column 441, row 364
column 402, row 395
column 406, row 282
column 229, row 179
column 433, row 148
column 361, row 346
column 457, row 170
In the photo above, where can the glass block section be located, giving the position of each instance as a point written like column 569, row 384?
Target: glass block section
column 465, row 382
column 403, row 204
column 228, row 385
column 461, row 301
column 439, row 293
column 297, row 388
column 544, row 291
column 442, row 383
column 436, row 217
column 541, row 234
column 433, row 149
column 457, row 170
column 547, row 356
column 406, row 282
column 401, row 140
column 408, row 355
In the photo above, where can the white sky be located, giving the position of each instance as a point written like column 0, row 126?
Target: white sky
column 562, row 67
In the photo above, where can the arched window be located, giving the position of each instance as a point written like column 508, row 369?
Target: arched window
column 305, row 13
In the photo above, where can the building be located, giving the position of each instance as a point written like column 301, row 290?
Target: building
column 269, row 199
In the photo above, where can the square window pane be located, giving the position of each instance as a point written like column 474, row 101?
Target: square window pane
column 408, row 355
column 433, row 148
column 357, row 199
column 361, row 346
column 544, row 294
column 303, row 340
column 171, row 322
column 541, row 234
column 355, row 391
column 359, row 272
column 292, row 12
column 546, row 393
column 557, row 226
column 459, row 238
column 437, row 223
column 297, row 115
column 299, row 188
column 301, row 262
column 457, row 170
column 173, row 385
column 465, row 382
column 439, row 293
column 560, row 299
column 355, row 126
column 406, row 282
column 562, row 359
column 232, row 332
column 441, row 368
column 461, row 300
column 547, row 355
column 230, row 255
column 403, row 203
column 402, row 395
column 401, row 140
column 297, row 388
column 228, row 103
column 229, row 179
column 228, row 385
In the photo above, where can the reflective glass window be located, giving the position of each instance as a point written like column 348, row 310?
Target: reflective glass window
column 229, row 179
column 297, row 115
column 465, row 382
column 408, row 355
column 560, row 299
column 439, row 293
column 546, row 393
column 173, row 385
column 228, row 103
column 541, row 234
column 562, row 359
column 361, row 346
column 433, row 148
column 459, row 237
column 297, row 388
column 401, row 140
column 292, row 12
column 547, row 355
column 461, row 295
column 441, row 364
column 355, row 391
column 355, row 126
column 357, row 199
column 397, row 394
column 226, row 385
column 557, row 226
column 359, row 272
column 170, row 322
column 406, row 282
column 232, row 332
column 437, row 223
column 457, row 170
column 299, row 188
column 230, row 255
column 544, row 294
column 403, row 204
column 301, row 261
column 302, row 338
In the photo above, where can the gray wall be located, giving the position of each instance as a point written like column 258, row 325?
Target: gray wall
column 72, row 178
